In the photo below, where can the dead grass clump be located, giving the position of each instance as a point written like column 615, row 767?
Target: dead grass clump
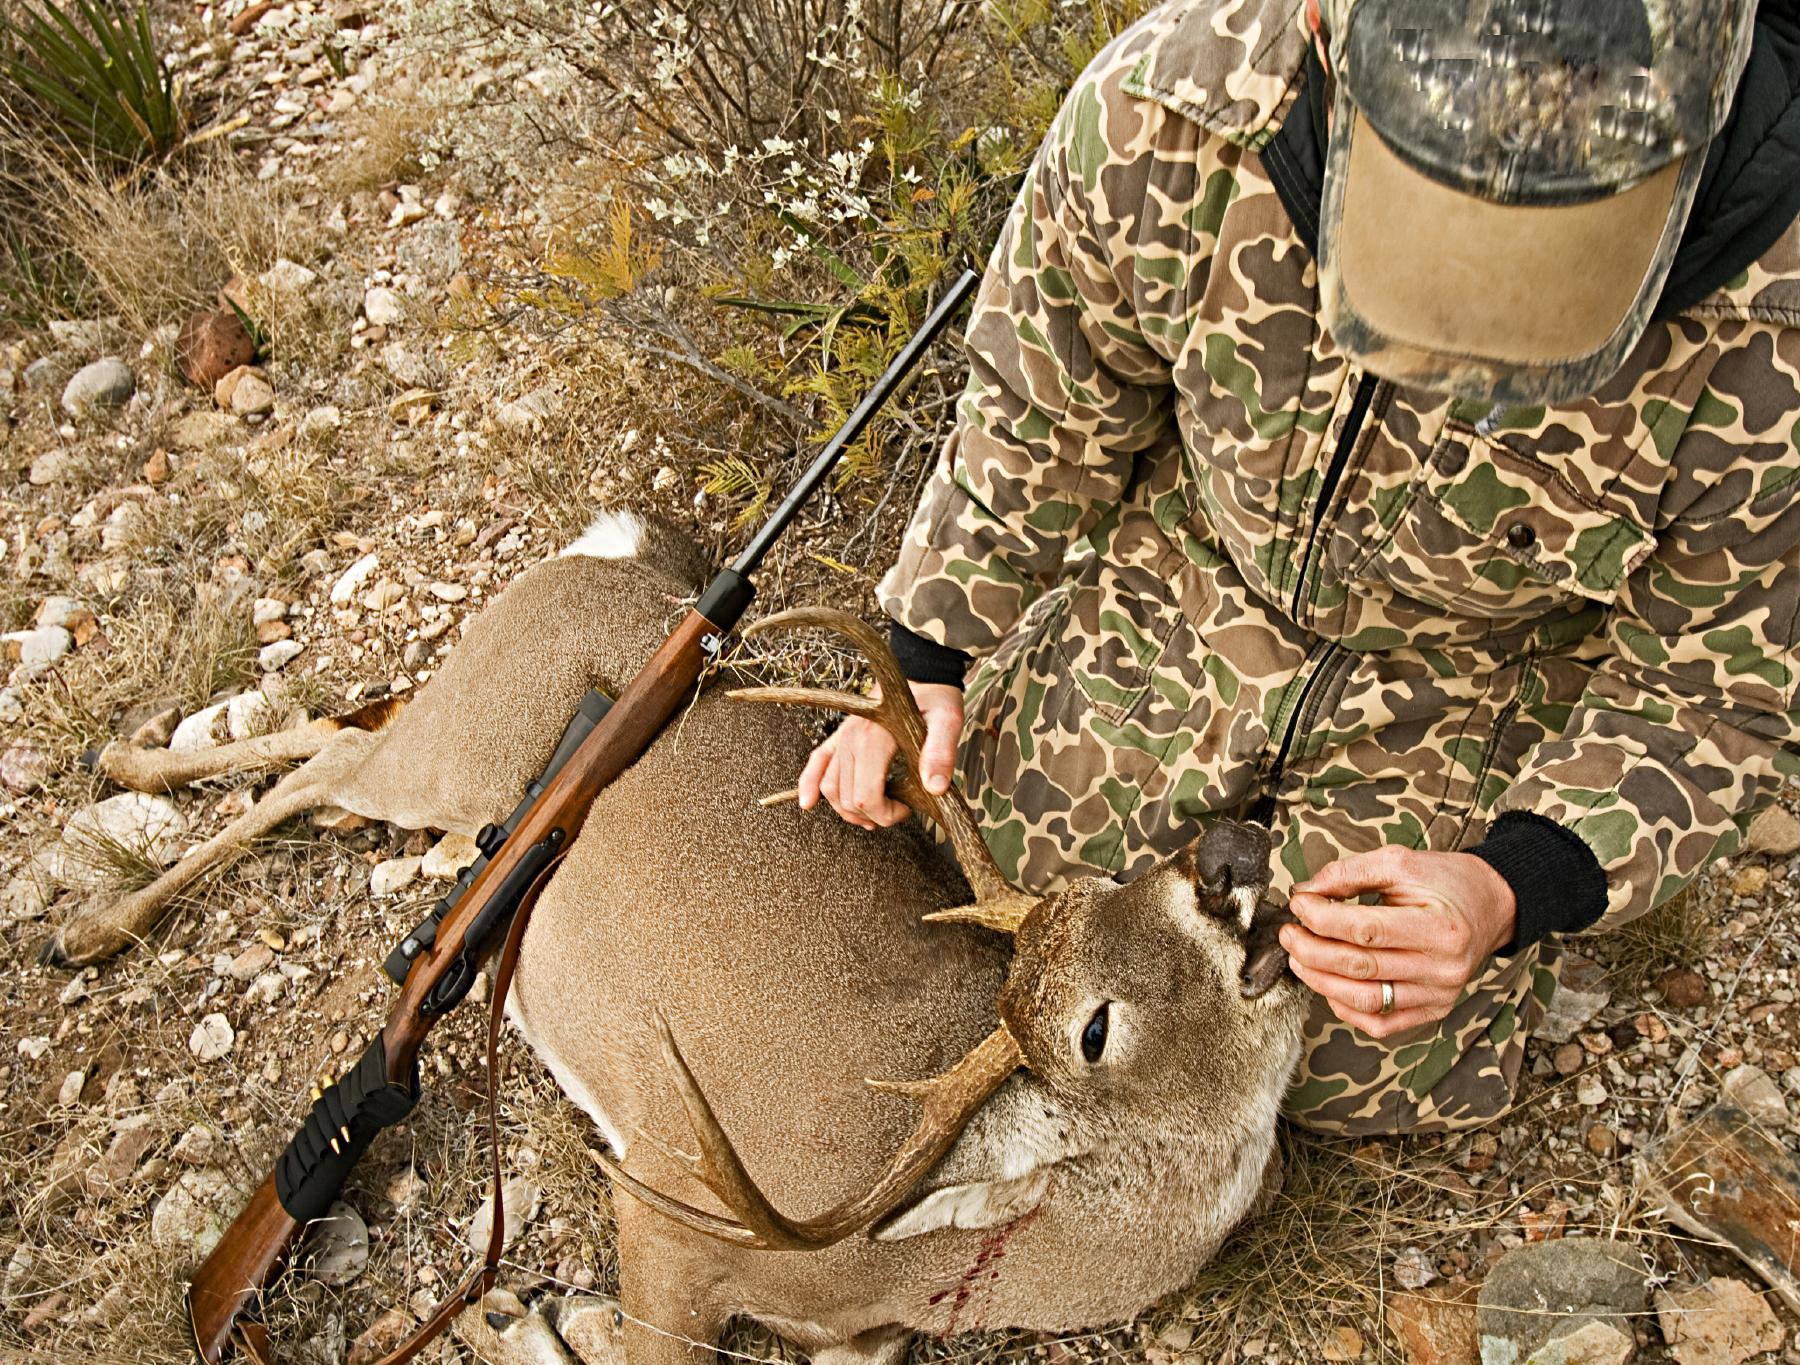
column 383, row 141
column 1680, row 932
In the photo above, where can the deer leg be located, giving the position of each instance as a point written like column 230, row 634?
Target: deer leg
column 880, row 1346
column 163, row 770
column 665, row 1295
column 101, row 928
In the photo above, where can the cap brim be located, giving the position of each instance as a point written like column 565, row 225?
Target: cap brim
column 1513, row 304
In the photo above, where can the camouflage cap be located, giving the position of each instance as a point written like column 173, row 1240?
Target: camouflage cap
column 1507, row 181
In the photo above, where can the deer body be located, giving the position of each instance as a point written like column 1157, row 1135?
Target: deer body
column 786, row 954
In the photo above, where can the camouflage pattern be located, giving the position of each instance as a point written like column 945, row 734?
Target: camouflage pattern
column 1587, row 611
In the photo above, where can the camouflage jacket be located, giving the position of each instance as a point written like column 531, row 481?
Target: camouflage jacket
column 1145, row 352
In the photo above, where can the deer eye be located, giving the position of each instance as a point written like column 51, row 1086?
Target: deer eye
column 1093, row 1037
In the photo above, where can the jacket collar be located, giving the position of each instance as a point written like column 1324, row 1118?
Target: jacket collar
column 1229, row 65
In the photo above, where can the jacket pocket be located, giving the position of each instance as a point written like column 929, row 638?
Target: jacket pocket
column 1491, row 534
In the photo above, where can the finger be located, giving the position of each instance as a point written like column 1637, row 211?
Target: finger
column 937, row 760
column 813, row 774
column 1406, row 927
column 1389, row 1025
column 1365, row 997
column 1361, row 874
column 867, row 788
column 848, row 802
column 1368, row 964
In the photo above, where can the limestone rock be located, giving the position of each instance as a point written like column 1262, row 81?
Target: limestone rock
column 278, row 655
column 520, row 1197
column 529, row 412
column 23, row 767
column 195, row 1211
column 449, row 856
column 1547, row 1291
column 1580, row 995
column 287, row 277
column 1754, row 1091
column 383, row 307
column 1436, row 1327
column 352, row 579
column 1721, row 1322
column 337, row 1246
column 212, row 1038
column 202, row 730
column 393, row 876
column 1775, row 832
column 150, row 826
column 106, row 383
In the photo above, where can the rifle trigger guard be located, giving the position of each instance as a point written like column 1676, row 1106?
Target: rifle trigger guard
column 492, row 920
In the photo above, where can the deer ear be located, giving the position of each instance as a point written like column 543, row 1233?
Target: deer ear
column 1265, row 960
column 987, row 1204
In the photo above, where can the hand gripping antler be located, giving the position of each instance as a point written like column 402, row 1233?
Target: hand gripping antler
column 946, row 1102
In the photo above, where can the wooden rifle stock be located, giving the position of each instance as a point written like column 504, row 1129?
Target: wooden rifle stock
column 383, row 1085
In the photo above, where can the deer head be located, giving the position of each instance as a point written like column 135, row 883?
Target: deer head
column 1116, row 995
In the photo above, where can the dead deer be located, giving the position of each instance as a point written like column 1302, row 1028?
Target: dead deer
column 707, row 971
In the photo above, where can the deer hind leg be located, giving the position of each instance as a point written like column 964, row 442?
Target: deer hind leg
column 104, row 926
column 164, row 770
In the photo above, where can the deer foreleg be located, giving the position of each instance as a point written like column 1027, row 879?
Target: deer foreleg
column 102, row 927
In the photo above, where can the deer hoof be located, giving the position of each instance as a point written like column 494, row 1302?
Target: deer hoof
column 82, row 941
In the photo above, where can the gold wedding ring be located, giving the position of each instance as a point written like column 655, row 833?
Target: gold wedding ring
column 1387, row 998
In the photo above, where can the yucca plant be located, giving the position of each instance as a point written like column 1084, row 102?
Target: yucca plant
column 91, row 73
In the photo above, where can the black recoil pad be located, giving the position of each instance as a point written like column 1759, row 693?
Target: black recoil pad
column 316, row 1162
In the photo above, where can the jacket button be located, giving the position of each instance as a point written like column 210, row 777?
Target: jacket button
column 1520, row 536
column 1453, row 459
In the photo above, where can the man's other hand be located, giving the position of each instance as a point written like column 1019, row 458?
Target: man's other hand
column 1442, row 916
column 850, row 769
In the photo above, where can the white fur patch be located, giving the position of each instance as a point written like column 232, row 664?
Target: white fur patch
column 614, row 535
column 986, row 1205
column 566, row 1078
column 1244, row 898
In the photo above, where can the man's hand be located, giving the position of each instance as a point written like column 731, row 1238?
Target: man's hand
column 850, row 769
column 1443, row 915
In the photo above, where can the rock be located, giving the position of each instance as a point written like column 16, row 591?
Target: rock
column 379, row 1338
column 106, row 383
column 520, row 1198
column 156, row 469
column 1602, row 1141
column 149, row 826
column 1580, row 995
column 38, row 648
column 196, row 1147
column 27, row 897
column 1413, row 1269
column 384, row 595
column 352, row 579
column 591, row 1326
column 337, row 1245
column 213, row 342
column 1342, row 1343
column 432, row 251
column 1568, row 1059
column 248, row 714
column 271, row 631
column 1755, row 1092
column 200, row 430
column 1683, row 987
column 1590, row 1091
column 447, row 592
column 132, row 1140
column 278, row 655
column 410, row 367
column 287, row 277
column 46, row 373
column 449, row 856
column 195, row 1211
column 245, row 392
column 52, row 466
column 1593, row 1343
column 1435, row 1328
column 1549, row 1290
column 321, row 421
column 1774, row 832
column 394, row 875
column 529, row 412
column 212, row 1038
column 413, row 407
column 266, row 609
column 1721, row 1322
column 23, row 767
column 384, row 307
column 202, row 730
column 250, row 963
column 1752, row 879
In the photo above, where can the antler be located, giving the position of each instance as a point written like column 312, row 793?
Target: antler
column 997, row 905
column 946, row 1104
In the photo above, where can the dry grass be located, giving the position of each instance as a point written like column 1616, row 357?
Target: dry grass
column 1680, row 932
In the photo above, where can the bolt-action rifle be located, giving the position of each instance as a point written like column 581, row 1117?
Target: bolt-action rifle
column 437, row 963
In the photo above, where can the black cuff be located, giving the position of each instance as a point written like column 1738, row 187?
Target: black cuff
column 1555, row 877
column 926, row 661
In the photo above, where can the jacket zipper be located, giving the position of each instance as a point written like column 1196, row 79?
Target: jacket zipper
column 1334, row 473
column 1298, row 721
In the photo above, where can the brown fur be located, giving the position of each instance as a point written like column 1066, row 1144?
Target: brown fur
column 788, row 954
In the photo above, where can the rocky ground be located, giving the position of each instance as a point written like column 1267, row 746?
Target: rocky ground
column 208, row 534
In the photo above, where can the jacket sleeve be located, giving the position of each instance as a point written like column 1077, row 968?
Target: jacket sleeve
column 1064, row 390
column 1688, row 725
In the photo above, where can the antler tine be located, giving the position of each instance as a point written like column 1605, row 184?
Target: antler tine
column 899, row 714
column 946, row 1104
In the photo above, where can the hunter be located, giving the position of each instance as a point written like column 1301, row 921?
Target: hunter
column 1382, row 423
